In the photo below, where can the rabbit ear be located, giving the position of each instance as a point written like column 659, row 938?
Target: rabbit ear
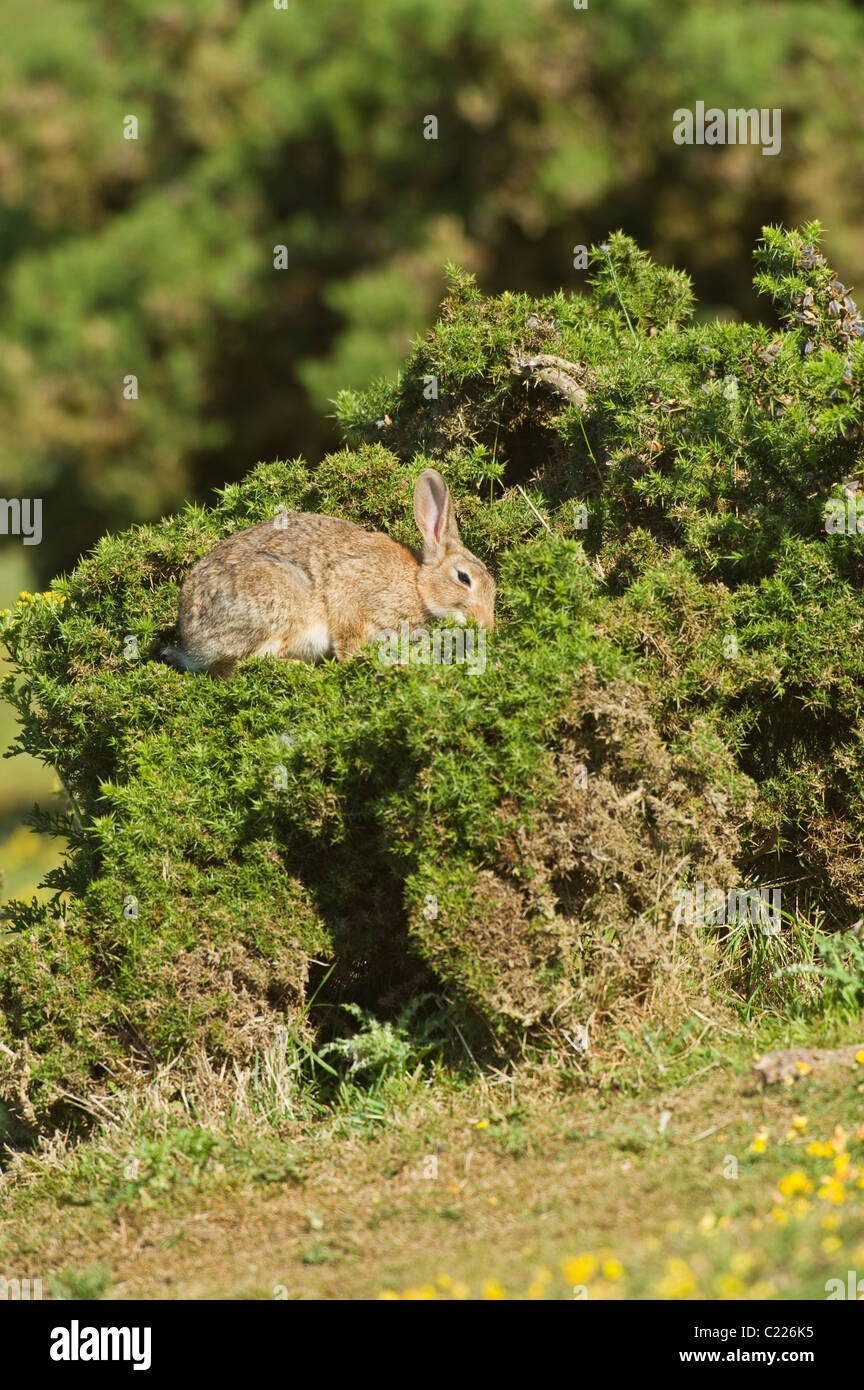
column 433, row 512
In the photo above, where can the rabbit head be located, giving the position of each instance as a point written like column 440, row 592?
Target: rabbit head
column 452, row 582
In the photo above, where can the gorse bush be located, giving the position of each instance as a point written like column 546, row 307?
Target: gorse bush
column 673, row 693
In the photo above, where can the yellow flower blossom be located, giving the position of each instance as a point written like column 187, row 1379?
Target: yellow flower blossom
column 820, row 1150
column 493, row 1290
column 678, row 1282
column 832, row 1190
column 795, row 1182
column 831, row 1244
column 580, row 1269
column 612, row 1269
column 728, row 1286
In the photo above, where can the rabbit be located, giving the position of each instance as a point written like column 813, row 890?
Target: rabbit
column 302, row 586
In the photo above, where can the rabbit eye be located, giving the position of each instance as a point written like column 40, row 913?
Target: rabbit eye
column 463, row 578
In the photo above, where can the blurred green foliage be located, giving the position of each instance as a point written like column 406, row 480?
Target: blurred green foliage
column 25, row 857
column 302, row 126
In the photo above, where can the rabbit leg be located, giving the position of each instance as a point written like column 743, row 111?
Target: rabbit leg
column 221, row 670
column 348, row 640
column 258, row 609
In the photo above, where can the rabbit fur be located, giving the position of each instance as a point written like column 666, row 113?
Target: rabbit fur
column 302, row 586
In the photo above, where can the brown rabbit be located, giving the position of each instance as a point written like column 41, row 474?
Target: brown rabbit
column 303, row 586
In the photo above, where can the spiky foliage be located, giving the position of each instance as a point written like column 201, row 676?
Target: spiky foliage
column 674, row 692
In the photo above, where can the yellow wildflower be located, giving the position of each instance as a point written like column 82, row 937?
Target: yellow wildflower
column 795, row 1182
column 819, row 1150
column 493, row 1290
column 579, row 1270
column 678, row 1282
column 832, row 1190
column 728, row 1286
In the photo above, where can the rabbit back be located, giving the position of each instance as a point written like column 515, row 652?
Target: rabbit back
column 299, row 587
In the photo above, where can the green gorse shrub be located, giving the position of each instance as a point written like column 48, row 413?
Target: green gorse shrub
column 673, row 693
